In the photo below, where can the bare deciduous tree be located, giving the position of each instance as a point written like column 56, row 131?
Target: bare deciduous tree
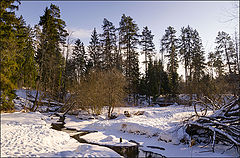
column 99, row 89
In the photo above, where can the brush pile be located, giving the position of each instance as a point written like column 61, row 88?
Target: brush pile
column 221, row 127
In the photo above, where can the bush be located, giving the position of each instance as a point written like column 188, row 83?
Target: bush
column 99, row 89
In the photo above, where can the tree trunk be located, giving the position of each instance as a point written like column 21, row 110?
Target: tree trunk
column 228, row 62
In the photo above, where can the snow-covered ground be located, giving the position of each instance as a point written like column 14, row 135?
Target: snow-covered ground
column 158, row 126
column 29, row 134
column 27, row 97
column 100, row 138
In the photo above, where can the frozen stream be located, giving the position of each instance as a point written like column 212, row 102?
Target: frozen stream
column 156, row 130
column 126, row 149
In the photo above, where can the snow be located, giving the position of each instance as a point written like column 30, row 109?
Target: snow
column 86, row 150
column 20, row 102
column 23, row 93
column 25, row 98
column 158, row 126
column 102, row 139
column 29, row 134
column 161, row 122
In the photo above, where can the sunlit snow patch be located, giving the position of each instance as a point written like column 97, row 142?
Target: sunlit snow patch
column 102, row 139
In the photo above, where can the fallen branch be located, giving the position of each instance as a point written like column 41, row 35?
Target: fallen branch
column 223, row 126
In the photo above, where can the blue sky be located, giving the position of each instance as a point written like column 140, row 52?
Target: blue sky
column 207, row 17
column 82, row 16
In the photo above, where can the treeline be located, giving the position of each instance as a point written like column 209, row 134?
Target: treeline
column 105, row 71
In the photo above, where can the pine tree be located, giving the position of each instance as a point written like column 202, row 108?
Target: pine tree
column 156, row 80
column 118, row 60
column 198, row 60
column 128, row 40
column 169, row 45
column 119, row 55
column 36, row 37
column 161, row 78
column 225, row 48
column 8, row 51
column 94, row 50
column 192, row 54
column 71, row 75
column 108, row 43
column 49, row 55
column 150, row 80
column 197, row 64
column 17, row 53
column 79, row 59
column 147, row 45
column 216, row 63
column 185, row 48
column 25, row 55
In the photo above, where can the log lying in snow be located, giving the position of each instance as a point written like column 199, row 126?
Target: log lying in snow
column 223, row 126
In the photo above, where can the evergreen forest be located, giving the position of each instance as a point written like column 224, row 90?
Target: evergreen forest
column 106, row 71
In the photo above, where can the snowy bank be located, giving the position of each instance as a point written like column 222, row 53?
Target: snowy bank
column 160, row 127
column 102, row 139
column 29, row 134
